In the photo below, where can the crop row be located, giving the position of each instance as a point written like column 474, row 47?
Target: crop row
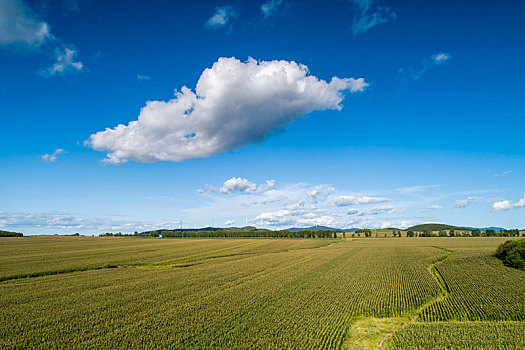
column 460, row 335
column 480, row 288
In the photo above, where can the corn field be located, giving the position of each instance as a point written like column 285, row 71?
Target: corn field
column 104, row 292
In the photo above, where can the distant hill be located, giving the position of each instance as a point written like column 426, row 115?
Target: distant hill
column 486, row 228
column 314, row 228
column 434, row 227
column 231, row 229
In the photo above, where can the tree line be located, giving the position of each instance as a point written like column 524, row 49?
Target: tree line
column 10, row 234
column 251, row 234
column 463, row 233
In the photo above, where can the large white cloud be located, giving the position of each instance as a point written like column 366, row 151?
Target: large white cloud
column 235, row 103
column 18, row 24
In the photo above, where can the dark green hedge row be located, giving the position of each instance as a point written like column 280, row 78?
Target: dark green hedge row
column 512, row 253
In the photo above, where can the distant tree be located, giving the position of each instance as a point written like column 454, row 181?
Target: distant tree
column 410, row 233
column 443, row 233
column 452, row 233
column 428, row 233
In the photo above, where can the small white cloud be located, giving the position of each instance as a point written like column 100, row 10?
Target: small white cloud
column 314, row 191
column 355, row 212
column 229, row 223
column 505, row 173
column 414, row 189
column 141, row 77
column 441, row 57
column 464, row 202
column 502, row 205
column 270, row 7
column 434, row 207
column 368, row 15
column 221, row 17
column 241, row 185
column 234, row 104
column 385, row 210
column 53, row 156
column 65, row 63
column 237, row 184
column 18, row 24
column 427, row 64
column 269, row 185
column 506, row 204
column 342, row 201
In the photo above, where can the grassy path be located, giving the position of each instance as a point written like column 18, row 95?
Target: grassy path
column 374, row 333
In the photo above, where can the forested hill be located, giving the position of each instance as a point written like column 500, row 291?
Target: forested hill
column 434, row 227
column 315, row 228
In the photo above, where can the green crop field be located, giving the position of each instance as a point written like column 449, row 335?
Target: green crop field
column 367, row 293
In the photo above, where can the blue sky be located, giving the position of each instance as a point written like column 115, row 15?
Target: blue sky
column 423, row 122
